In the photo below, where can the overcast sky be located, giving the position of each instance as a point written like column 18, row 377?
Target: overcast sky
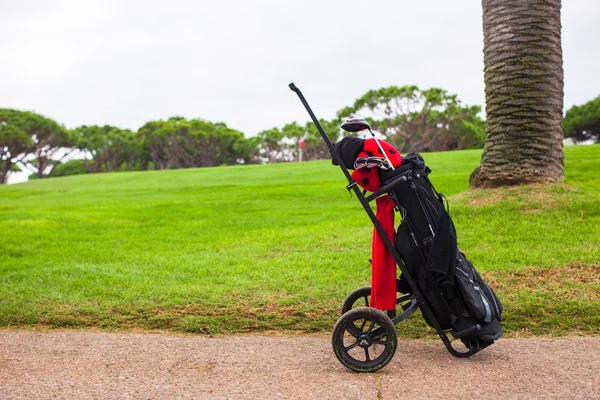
column 123, row 63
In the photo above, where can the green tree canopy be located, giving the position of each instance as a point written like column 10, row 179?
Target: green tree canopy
column 181, row 143
column 420, row 120
column 277, row 145
column 274, row 146
column 31, row 139
column 111, row 148
column 15, row 143
column 583, row 122
column 51, row 143
column 72, row 167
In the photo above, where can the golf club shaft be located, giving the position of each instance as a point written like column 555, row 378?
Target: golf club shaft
column 381, row 148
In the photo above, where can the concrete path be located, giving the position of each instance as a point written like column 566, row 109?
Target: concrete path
column 92, row 365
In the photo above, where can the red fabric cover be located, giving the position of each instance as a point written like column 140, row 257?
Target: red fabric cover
column 383, row 269
column 368, row 178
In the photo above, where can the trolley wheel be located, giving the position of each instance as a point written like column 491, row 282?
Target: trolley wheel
column 361, row 297
column 364, row 339
column 357, row 298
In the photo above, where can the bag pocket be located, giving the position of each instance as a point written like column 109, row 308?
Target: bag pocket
column 491, row 296
column 475, row 300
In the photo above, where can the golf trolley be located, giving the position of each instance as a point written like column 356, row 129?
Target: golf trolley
column 365, row 339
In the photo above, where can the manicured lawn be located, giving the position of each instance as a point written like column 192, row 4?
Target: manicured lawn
column 256, row 248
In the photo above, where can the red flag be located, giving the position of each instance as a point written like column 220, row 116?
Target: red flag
column 301, row 142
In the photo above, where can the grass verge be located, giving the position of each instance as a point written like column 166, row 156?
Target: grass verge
column 278, row 247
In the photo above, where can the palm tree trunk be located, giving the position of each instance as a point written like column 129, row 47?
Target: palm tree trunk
column 524, row 93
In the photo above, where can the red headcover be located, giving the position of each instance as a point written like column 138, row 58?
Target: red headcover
column 368, row 178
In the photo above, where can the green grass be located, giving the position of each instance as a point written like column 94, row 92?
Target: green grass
column 277, row 247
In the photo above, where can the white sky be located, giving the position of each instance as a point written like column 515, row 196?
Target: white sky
column 123, row 62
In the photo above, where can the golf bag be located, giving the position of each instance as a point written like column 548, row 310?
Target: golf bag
column 426, row 243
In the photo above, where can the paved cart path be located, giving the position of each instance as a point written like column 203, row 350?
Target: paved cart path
column 92, row 365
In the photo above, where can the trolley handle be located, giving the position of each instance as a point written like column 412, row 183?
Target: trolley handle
column 351, row 183
column 405, row 177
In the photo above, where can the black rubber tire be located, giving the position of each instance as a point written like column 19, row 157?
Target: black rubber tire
column 353, row 300
column 376, row 328
column 355, row 295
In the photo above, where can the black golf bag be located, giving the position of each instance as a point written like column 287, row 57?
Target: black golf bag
column 426, row 242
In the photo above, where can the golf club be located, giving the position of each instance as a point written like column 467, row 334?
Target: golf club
column 359, row 124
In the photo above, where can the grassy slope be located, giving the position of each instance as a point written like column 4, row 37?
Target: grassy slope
column 278, row 247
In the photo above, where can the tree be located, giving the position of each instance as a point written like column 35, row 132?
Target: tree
column 246, row 149
column 219, row 144
column 278, row 145
column 179, row 143
column 420, row 120
column 315, row 147
column 15, row 143
column 111, row 148
column 72, row 167
column 33, row 140
column 274, row 146
column 524, row 93
column 50, row 143
column 582, row 123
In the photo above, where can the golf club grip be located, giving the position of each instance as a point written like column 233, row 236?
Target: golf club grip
column 334, row 153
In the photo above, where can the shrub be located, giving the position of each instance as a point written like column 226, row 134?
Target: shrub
column 73, row 167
